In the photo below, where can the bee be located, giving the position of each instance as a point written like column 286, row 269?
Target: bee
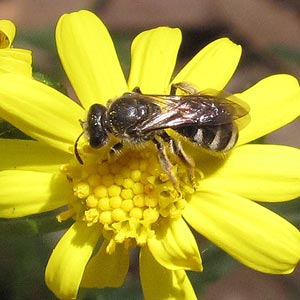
column 207, row 119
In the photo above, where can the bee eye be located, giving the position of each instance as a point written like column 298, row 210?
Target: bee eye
column 95, row 126
column 98, row 138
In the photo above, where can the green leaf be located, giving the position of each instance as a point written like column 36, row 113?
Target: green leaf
column 50, row 82
column 8, row 131
column 37, row 224
column 286, row 53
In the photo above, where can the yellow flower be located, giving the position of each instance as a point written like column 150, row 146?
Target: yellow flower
column 12, row 60
column 128, row 201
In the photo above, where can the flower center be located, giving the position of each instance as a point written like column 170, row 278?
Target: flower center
column 127, row 194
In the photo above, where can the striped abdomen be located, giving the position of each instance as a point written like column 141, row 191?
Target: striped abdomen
column 219, row 138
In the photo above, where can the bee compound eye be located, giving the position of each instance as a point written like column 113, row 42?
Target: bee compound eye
column 96, row 126
column 98, row 138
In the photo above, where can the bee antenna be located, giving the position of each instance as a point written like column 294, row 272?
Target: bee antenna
column 76, row 149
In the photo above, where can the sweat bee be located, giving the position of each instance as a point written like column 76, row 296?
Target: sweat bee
column 207, row 119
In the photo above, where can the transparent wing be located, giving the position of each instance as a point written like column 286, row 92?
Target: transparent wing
column 196, row 109
column 237, row 107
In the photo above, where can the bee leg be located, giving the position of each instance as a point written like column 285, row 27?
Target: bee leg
column 165, row 162
column 115, row 149
column 184, row 87
column 137, row 90
column 176, row 148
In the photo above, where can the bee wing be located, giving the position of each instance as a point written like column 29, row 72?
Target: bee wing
column 197, row 109
column 238, row 109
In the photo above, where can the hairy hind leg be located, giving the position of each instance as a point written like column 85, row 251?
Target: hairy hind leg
column 176, row 148
column 165, row 161
column 185, row 87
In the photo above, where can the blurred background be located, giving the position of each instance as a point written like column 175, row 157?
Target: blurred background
column 268, row 30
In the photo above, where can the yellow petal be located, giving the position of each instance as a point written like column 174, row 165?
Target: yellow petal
column 106, row 270
column 159, row 283
column 259, row 172
column 69, row 258
column 30, row 156
column 89, row 58
column 174, row 246
column 153, row 58
column 274, row 102
column 7, row 33
column 25, row 193
column 40, row 111
column 252, row 234
column 12, row 60
column 213, row 66
column 16, row 61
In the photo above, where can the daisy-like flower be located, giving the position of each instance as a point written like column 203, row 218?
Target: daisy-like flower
column 12, row 60
column 128, row 201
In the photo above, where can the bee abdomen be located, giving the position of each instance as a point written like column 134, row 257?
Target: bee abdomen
column 218, row 138
column 221, row 137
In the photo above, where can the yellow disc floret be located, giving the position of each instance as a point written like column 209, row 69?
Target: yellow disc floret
column 127, row 194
